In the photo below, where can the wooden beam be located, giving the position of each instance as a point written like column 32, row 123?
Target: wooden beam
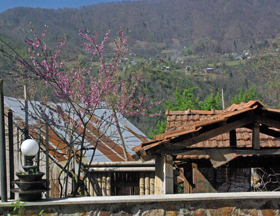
column 189, row 151
column 185, row 151
column 232, row 138
column 218, row 156
column 256, row 136
column 221, row 156
column 239, row 151
column 268, row 121
column 210, row 133
column 265, row 130
column 145, row 156
column 271, row 151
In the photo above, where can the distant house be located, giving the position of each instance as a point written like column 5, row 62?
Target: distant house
column 165, row 67
column 240, row 57
column 208, row 70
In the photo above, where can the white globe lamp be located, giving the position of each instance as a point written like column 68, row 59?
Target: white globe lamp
column 29, row 148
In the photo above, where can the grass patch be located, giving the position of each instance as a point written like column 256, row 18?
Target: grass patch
column 230, row 63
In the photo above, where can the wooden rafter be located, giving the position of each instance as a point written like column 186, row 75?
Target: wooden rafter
column 268, row 131
column 268, row 121
column 188, row 141
column 239, row 151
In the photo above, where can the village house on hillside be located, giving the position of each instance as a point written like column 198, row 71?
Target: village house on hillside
column 237, row 149
column 208, row 70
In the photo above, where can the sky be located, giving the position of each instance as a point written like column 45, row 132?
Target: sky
column 55, row 4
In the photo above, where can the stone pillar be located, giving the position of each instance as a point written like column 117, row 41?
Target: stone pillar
column 164, row 175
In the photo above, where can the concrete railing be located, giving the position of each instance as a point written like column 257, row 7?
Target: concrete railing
column 251, row 203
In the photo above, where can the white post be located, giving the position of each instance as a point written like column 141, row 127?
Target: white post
column 164, row 175
column 223, row 100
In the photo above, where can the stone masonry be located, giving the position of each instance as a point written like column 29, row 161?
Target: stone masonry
column 219, row 204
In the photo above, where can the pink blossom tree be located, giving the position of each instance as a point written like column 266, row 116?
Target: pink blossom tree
column 77, row 94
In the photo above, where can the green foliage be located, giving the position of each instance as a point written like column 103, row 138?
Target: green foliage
column 20, row 172
column 250, row 94
column 190, row 100
column 31, row 171
column 19, row 207
column 179, row 188
column 212, row 102
column 159, row 129
column 187, row 100
column 187, row 51
column 183, row 101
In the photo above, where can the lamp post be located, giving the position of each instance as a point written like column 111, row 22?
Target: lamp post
column 29, row 148
column 30, row 183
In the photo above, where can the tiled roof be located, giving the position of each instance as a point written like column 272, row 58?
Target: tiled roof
column 190, row 122
column 177, row 119
column 243, row 105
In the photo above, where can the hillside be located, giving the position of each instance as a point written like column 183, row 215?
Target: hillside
column 171, row 35
column 222, row 25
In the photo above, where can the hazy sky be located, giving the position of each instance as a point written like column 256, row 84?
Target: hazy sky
column 7, row 4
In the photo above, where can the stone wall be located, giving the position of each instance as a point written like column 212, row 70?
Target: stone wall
column 261, row 203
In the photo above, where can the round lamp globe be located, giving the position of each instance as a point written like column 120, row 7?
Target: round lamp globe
column 29, row 147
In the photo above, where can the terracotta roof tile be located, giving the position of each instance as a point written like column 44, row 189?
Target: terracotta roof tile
column 182, row 122
column 243, row 105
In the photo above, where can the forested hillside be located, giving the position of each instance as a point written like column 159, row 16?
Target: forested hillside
column 179, row 40
column 226, row 25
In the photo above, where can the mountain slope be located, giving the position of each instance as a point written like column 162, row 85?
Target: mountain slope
column 234, row 25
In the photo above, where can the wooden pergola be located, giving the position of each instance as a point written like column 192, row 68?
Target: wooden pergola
column 172, row 145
